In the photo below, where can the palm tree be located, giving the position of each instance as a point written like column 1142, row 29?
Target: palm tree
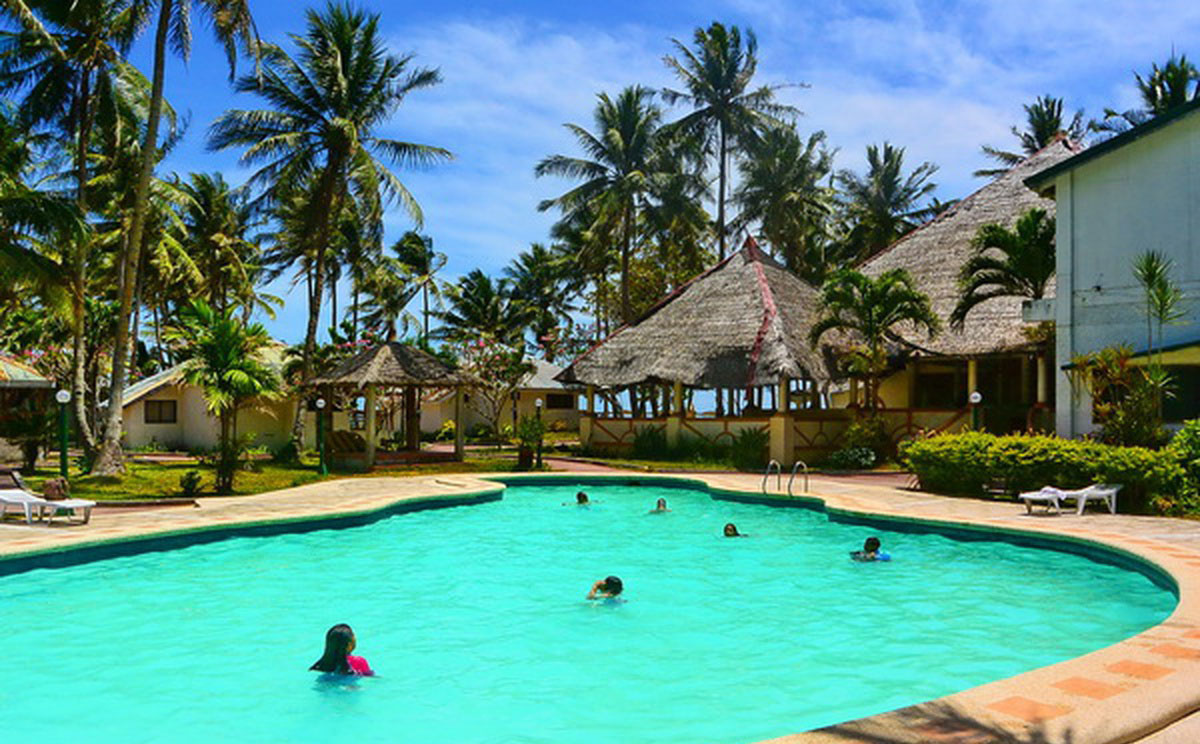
column 232, row 23
column 615, row 172
column 783, row 190
column 222, row 356
column 541, row 278
column 716, row 76
column 480, row 308
column 1044, row 123
column 1008, row 263
column 869, row 310
column 882, row 205
column 389, row 287
column 1164, row 89
column 322, row 132
column 415, row 251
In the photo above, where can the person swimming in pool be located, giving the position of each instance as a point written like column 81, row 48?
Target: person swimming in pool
column 581, row 499
column 870, row 552
column 731, row 530
column 659, row 507
column 339, row 642
column 608, row 588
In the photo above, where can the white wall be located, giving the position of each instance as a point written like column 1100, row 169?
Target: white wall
column 195, row 429
column 1142, row 196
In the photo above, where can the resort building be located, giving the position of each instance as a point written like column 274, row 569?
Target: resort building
column 559, row 402
column 1137, row 192
column 24, row 395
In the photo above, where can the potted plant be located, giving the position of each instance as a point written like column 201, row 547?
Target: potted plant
column 530, row 431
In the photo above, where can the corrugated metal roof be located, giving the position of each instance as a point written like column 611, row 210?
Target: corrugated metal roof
column 15, row 374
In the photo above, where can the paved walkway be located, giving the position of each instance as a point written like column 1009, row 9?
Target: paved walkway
column 1142, row 687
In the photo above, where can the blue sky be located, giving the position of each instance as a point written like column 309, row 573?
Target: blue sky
column 939, row 79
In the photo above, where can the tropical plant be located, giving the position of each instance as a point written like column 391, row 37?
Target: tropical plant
column 478, row 307
column 416, row 253
column 717, row 75
column 1045, row 122
column 784, row 190
column 1007, row 263
column 616, row 171
column 1164, row 306
column 869, row 310
column 541, row 279
column 495, row 371
column 221, row 356
column 1125, row 397
column 389, row 287
column 321, row 134
column 883, row 204
column 1163, row 89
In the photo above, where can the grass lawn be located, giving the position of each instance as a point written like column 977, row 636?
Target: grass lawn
column 161, row 480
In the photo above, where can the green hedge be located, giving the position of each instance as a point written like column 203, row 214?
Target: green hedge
column 972, row 463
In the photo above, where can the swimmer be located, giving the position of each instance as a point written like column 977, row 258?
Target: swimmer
column 659, row 507
column 607, row 588
column 581, row 499
column 731, row 530
column 870, row 552
column 339, row 642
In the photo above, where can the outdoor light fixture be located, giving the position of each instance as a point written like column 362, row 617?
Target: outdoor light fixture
column 539, row 402
column 320, row 403
column 63, row 397
column 976, row 398
column 322, row 468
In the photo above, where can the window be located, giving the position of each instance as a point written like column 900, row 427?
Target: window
column 560, row 401
column 159, row 411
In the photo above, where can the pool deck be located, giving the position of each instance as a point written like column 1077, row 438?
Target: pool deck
column 1142, row 689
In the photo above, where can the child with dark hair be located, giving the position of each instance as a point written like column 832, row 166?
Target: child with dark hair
column 660, row 506
column 609, row 587
column 731, row 530
column 870, row 552
column 339, row 642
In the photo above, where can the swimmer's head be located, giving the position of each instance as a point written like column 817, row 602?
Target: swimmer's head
column 661, row 504
column 871, row 545
column 339, row 642
column 731, row 530
column 581, row 498
column 613, row 585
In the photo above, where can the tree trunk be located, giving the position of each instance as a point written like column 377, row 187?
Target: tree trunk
column 626, row 250
column 425, row 312
column 721, row 155
column 87, row 438
column 110, row 459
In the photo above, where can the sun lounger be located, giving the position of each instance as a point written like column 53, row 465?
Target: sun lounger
column 1103, row 492
column 46, row 509
column 27, row 502
column 1048, row 495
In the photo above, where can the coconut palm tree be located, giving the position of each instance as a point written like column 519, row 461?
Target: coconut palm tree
column 389, row 286
column 717, row 74
column 541, row 278
column 1175, row 83
column 1045, row 122
column 616, row 171
column 479, row 307
column 784, row 189
column 1017, row 262
column 869, row 310
column 415, row 251
column 322, row 130
column 883, row 204
column 222, row 356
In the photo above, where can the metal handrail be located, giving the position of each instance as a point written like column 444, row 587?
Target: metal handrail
column 799, row 464
column 778, row 476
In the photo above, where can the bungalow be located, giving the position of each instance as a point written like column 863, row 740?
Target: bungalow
column 560, row 403
column 24, row 395
column 1133, row 193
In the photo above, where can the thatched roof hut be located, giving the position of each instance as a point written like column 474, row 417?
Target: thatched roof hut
column 935, row 253
column 391, row 365
column 741, row 323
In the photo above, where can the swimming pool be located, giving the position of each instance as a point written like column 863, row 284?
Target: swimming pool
column 475, row 620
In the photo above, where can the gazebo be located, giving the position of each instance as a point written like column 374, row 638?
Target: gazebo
column 741, row 324
column 389, row 366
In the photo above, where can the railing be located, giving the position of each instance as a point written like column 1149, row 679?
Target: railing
column 799, row 464
column 778, row 476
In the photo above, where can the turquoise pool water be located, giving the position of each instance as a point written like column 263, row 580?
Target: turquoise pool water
column 474, row 618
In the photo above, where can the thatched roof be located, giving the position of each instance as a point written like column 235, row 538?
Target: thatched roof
column 935, row 253
column 391, row 364
column 743, row 322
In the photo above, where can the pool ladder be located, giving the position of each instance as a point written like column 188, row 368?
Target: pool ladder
column 774, row 465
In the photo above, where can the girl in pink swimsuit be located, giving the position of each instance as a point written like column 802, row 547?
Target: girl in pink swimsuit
column 339, row 642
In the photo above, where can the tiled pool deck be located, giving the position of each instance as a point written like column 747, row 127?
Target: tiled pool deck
column 1141, row 689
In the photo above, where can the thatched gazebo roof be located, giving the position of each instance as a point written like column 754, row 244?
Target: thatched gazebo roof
column 391, row 365
column 743, row 322
column 935, row 253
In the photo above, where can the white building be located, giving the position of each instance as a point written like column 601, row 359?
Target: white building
column 560, row 403
column 1137, row 192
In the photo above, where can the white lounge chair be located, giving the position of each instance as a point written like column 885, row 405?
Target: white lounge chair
column 1103, row 492
column 47, row 509
column 1048, row 495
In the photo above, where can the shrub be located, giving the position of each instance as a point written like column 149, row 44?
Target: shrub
column 870, row 433
column 970, row 462
column 650, row 443
column 749, row 450
column 479, row 431
column 559, row 425
column 445, row 432
column 530, row 431
column 287, row 453
column 851, row 458
column 189, row 484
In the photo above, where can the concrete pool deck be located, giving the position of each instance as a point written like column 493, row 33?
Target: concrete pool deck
column 1141, row 689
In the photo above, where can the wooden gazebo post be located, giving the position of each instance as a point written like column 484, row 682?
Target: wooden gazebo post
column 783, row 432
column 458, row 423
column 370, row 454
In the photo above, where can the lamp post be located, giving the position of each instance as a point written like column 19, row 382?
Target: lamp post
column 976, row 398
column 321, row 467
column 538, row 403
column 515, row 396
column 63, row 397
